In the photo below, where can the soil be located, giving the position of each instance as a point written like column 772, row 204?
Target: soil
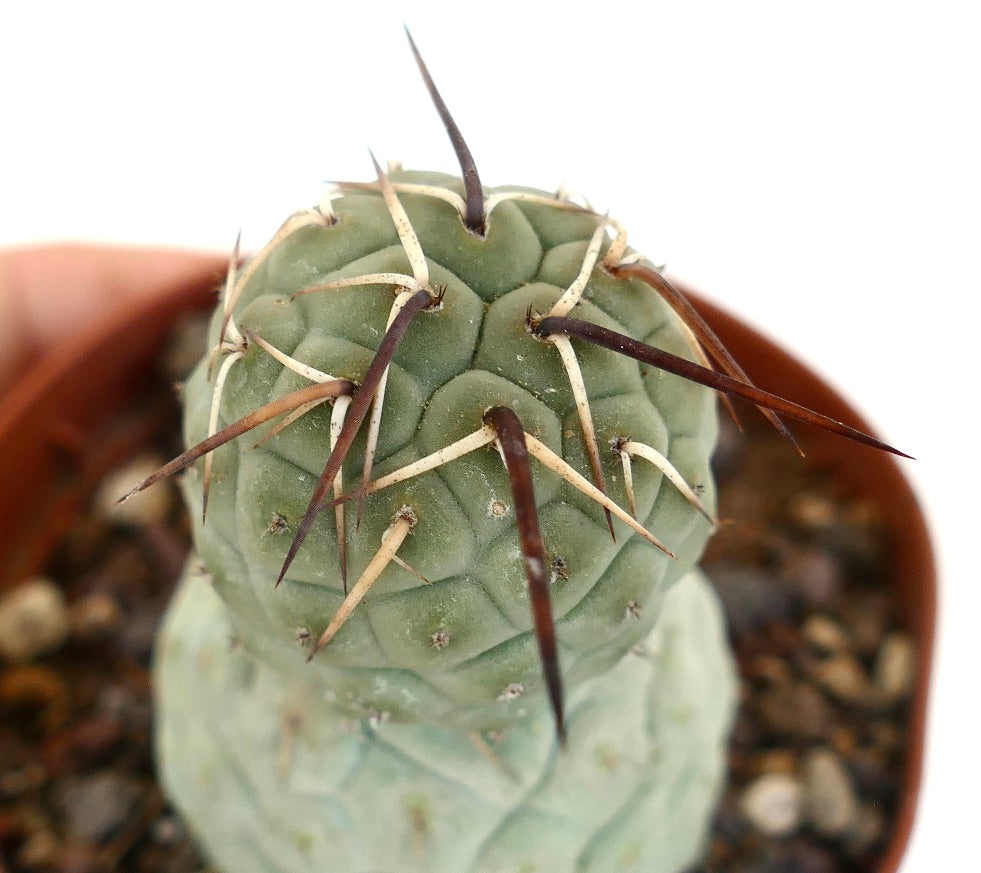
column 815, row 755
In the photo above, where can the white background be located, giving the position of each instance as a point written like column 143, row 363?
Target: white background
column 814, row 166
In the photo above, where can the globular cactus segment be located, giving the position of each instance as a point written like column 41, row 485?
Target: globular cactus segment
column 319, row 307
column 273, row 781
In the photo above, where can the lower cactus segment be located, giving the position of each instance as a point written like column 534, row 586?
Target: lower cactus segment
column 276, row 780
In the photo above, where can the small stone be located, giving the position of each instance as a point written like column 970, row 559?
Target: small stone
column 825, row 634
column 145, row 508
column 796, row 711
column 85, row 543
column 773, row 804
column 139, row 631
column 39, row 851
column 83, row 744
column 126, row 705
column 94, row 807
column 39, row 689
column 11, row 826
column 812, row 511
column 94, row 617
column 20, row 781
column 769, row 669
column 886, row 735
column 167, row 830
column 873, row 770
column 866, row 615
column 181, row 858
column 800, row 855
column 775, row 761
column 844, row 677
column 79, row 857
column 843, row 740
column 814, row 575
column 895, row 667
column 857, row 539
column 33, row 620
column 830, row 801
column 751, row 598
column 870, row 826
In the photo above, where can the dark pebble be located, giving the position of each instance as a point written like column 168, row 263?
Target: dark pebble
column 84, row 744
column 38, row 692
column 168, row 830
column 11, row 829
column 178, row 859
column 800, row 856
column 872, row 772
column 866, row 614
column 85, row 545
column 140, row 629
column 796, row 711
column 127, row 705
column 750, row 598
column 79, row 857
column 95, row 807
column 858, row 540
column 814, row 576
column 126, row 574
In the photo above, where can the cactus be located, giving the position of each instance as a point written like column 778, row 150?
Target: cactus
column 483, row 496
column 449, row 648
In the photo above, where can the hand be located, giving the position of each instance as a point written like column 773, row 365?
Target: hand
column 49, row 292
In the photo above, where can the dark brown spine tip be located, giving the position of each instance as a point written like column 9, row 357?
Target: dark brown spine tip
column 679, row 366
column 290, row 402
column 474, row 218
column 511, row 436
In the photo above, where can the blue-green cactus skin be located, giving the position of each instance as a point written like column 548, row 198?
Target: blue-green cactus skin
column 273, row 781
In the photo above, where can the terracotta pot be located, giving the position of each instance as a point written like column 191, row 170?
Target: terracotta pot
column 82, row 409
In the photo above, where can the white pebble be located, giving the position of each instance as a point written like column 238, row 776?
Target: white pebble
column 844, row 677
column 774, row 804
column 826, row 634
column 895, row 667
column 830, row 801
column 33, row 620
column 147, row 507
